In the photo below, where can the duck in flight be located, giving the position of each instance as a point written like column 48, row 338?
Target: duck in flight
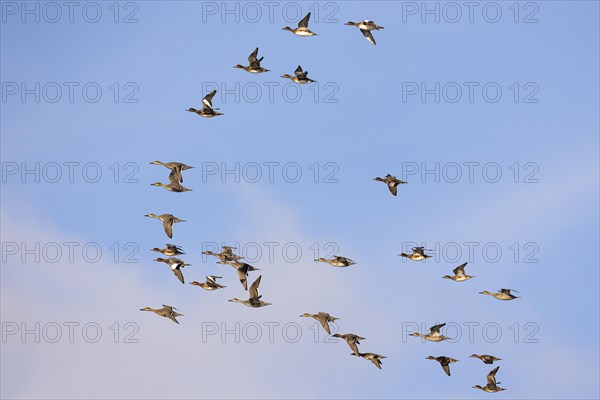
column 176, row 264
column 210, row 284
column 459, row 274
column 168, row 220
column 324, row 318
column 337, row 261
column 444, row 362
column 207, row 110
column 173, row 186
column 175, row 167
column 170, row 250
column 352, row 341
column 503, row 294
column 492, row 385
column 366, row 27
column 254, row 299
column 254, row 64
column 418, row 254
column 223, row 256
column 434, row 335
column 300, row 76
column 486, row 358
column 302, row 29
column 392, row 183
column 373, row 357
column 165, row 311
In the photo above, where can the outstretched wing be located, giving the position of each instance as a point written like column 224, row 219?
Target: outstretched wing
column 252, row 57
column 393, row 189
column 436, row 328
column 207, row 100
column 491, row 377
column 446, row 369
column 368, row 36
column 304, row 21
column 168, row 225
column 253, row 292
column 325, row 325
column 460, row 270
column 178, row 274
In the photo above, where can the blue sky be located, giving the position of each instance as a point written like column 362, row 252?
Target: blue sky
column 168, row 55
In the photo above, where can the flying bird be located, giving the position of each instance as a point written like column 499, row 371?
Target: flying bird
column 459, row 274
column 210, row 284
column 207, row 110
column 418, row 254
column 337, row 261
column 492, row 385
column 392, row 183
column 168, row 220
column 165, row 311
column 434, row 335
column 254, row 299
column 300, row 76
column 170, row 250
column 444, row 362
column 302, row 29
column 503, row 294
column 176, row 264
column 254, row 64
column 323, row 318
column 352, row 341
column 366, row 27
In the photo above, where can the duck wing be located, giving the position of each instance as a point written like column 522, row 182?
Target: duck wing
column 252, row 57
column 168, row 225
column 207, row 100
column 304, row 21
column 436, row 328
column 178, row 274
column 460, row 270
column 325, row 325
column 253, row 291
column 491, row 377
column 368, row 35
column 446, row 369
column 243, row 277
column 393, row 189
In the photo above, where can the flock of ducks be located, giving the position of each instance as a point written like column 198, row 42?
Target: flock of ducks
column 228, row 257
